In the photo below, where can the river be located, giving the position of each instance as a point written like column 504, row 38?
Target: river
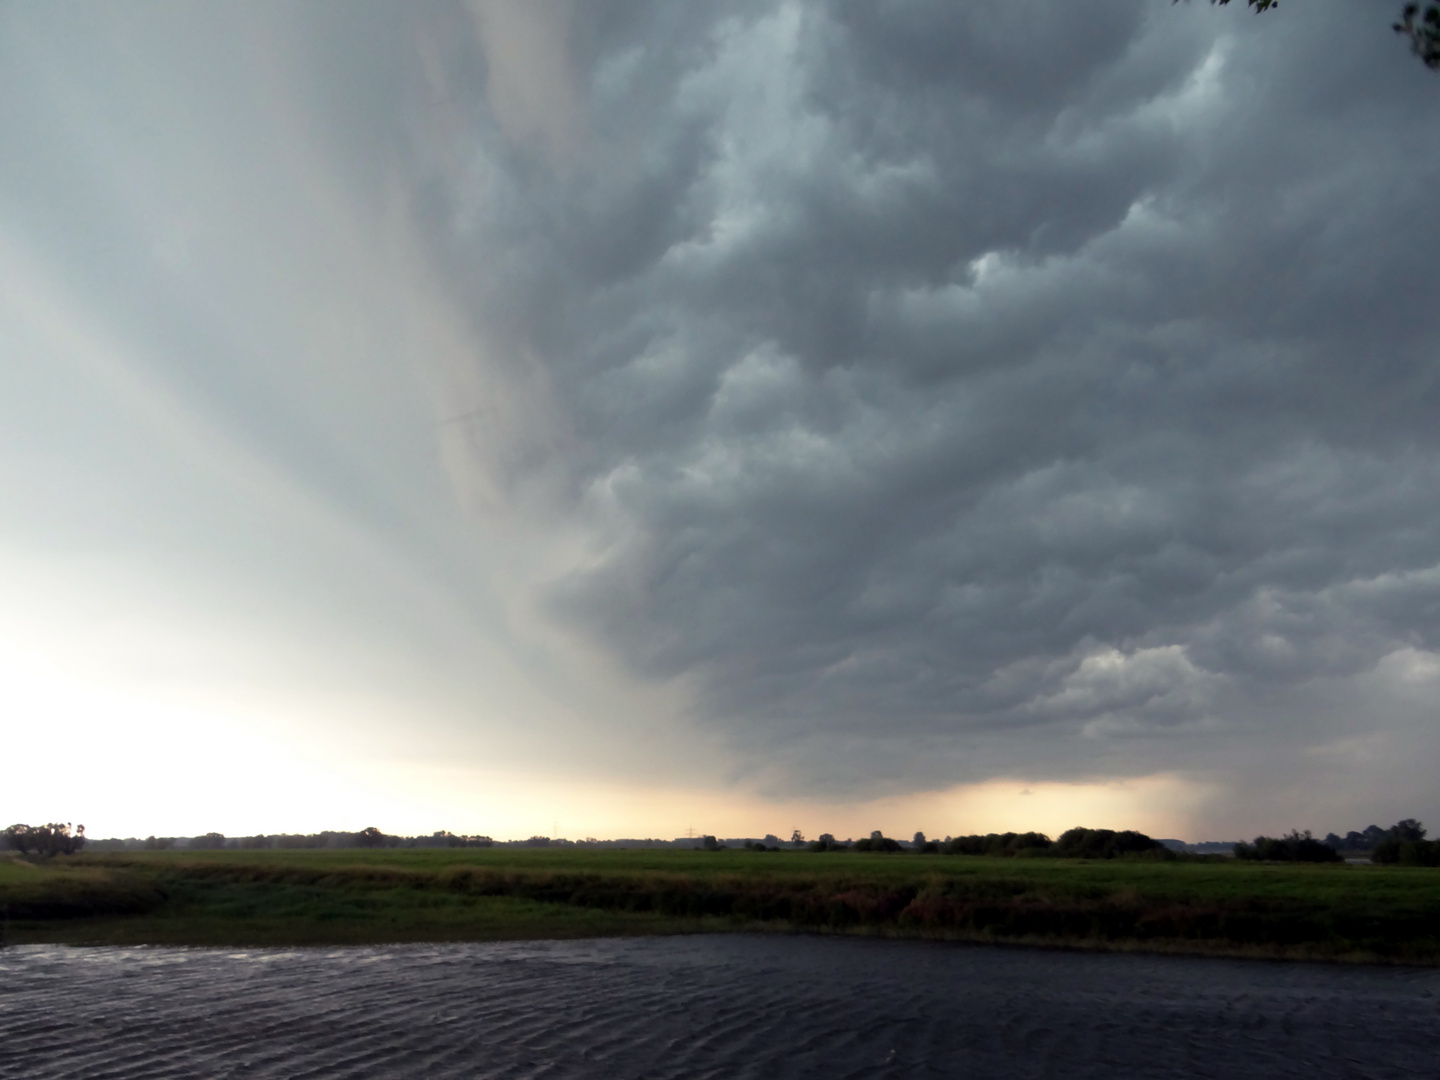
column 710, row 1006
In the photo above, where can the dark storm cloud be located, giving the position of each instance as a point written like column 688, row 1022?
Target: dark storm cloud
column 945, row 376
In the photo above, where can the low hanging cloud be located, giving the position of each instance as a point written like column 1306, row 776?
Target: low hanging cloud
column 959, row 390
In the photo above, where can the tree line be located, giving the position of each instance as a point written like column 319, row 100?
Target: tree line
column 1077, row 843
column 1403, row 843
column 369, row 837
column 56, row 838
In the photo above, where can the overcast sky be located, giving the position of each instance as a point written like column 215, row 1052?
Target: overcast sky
column 624, row 417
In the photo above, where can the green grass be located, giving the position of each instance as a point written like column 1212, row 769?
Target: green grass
column 370, row 896
column 14, row 870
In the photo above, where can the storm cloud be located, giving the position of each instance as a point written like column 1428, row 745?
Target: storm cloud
column 924, row 392
column 957, row 387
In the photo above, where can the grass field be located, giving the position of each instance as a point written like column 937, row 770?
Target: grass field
column 371, row 896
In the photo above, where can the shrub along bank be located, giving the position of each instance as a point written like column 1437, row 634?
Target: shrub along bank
column 300, row 897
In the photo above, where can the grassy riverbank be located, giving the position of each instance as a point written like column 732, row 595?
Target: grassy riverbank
column 355, row 896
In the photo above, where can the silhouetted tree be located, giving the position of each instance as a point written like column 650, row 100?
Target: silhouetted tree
column 1423, row 32
column 370, row 837
column 1294, row 846
column 56, row 838
column 1406, row 845
column 1421, row 27
column 877, row 841
column 1407, row 830
column 1107, row 844
column 1004, row 844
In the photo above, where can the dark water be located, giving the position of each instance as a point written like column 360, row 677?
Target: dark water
column 703, row 1007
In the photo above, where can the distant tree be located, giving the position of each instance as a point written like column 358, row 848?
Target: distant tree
column 1294, row 846
column 370, row 837
column 918, row 840
column 796, row 838
column 1003, row 844
column 1406, row 853
column 211, row 841
column 1407, row 830
column 56, row 838
column 826, row 843
column 1421, row 27
column 1405, row 844
column 1107, row 844
column 877, row 841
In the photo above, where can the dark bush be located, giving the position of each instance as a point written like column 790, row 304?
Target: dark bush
column 1005, row 844
column 877, row 841
column 1373, row 835
column 1407, row 830
column 1106, row 844
column 1295, row 846
column 1396, row 852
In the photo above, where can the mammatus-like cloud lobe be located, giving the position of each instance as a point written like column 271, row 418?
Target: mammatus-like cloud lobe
column 962, row 389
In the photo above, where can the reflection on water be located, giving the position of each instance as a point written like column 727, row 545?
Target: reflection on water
column 734, row 1006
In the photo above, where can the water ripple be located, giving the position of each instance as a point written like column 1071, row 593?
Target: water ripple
column 724, row 1007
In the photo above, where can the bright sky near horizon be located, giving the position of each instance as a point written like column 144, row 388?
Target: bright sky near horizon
column 615, row 419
